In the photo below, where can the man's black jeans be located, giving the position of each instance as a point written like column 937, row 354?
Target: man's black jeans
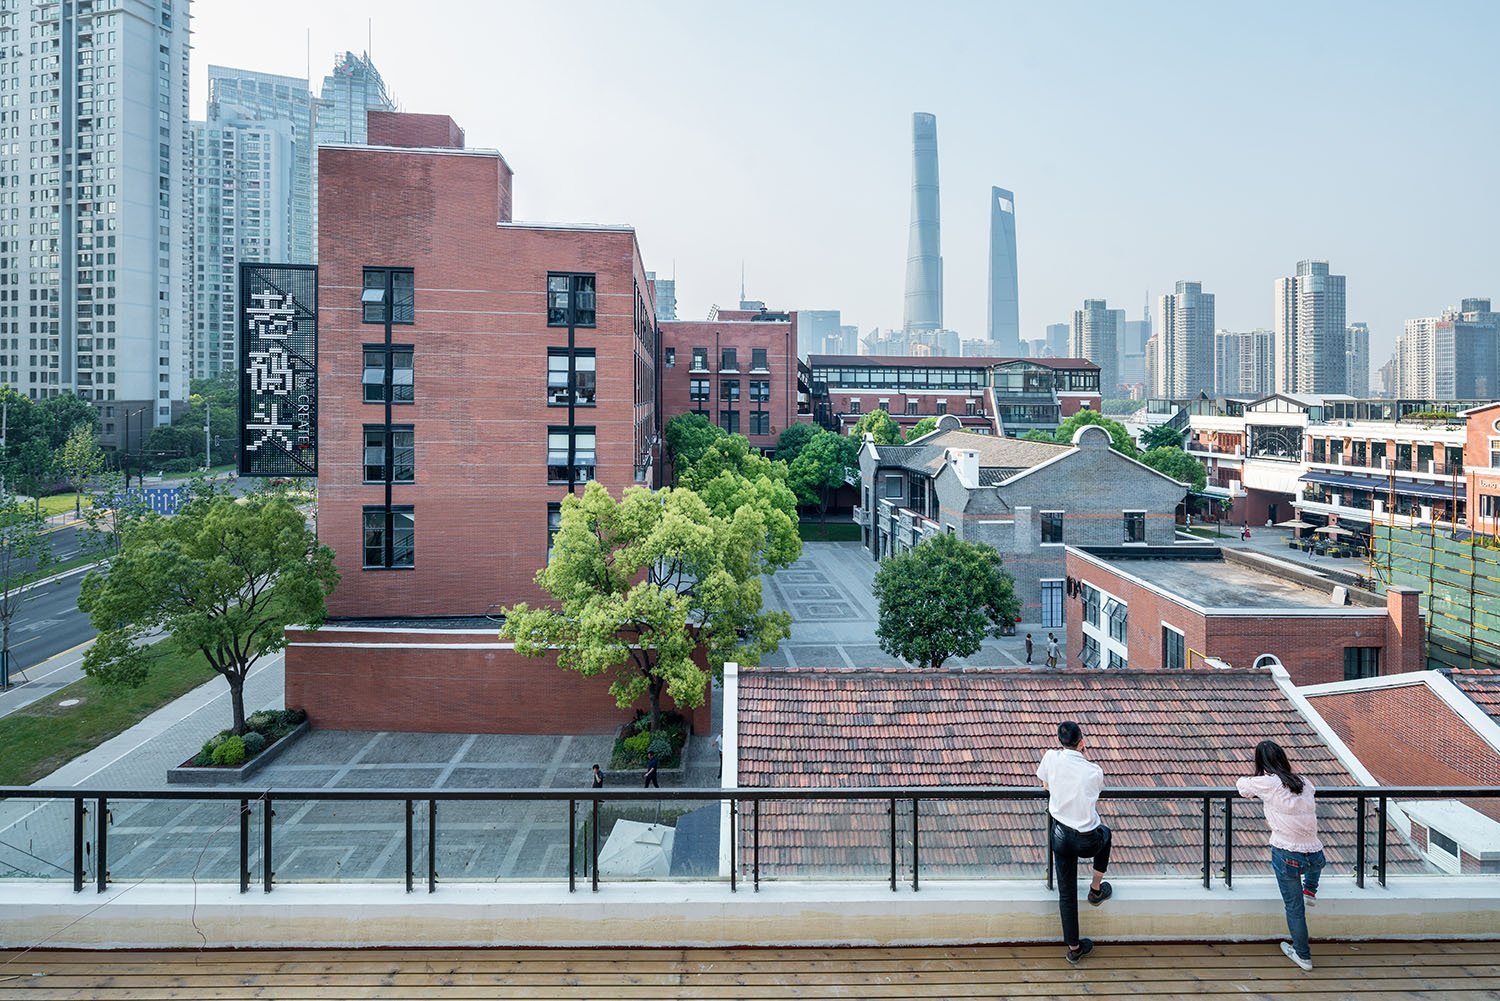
column 1068, row 846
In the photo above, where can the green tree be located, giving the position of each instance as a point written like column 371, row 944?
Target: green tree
column 641, row 583
column 730, row 474
column 223, row 577
column 1119, row 437
column 1160, row 436
column 25, row 554
column 879, row 424
column 941, row 599
column 823, row 466
column 687, row 437
column 80, row 460
column 61, row 415
column 790, row 444
column 1177, row 464
column 730, row 453
column 926, row 425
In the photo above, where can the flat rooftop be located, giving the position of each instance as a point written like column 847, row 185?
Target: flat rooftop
column 1201, row 576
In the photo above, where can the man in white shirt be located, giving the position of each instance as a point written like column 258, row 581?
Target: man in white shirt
column 1073, row 783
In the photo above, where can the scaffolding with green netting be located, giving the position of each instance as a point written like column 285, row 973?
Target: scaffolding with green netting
column 1458, row 577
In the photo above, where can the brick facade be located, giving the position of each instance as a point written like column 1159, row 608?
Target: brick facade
column 679, row 379
column 1482, row 440
column 382, row 679
column 400, row 128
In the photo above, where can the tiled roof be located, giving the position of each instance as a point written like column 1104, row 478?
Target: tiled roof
column 996, row 452
column 869, row 728
column 1482, row 686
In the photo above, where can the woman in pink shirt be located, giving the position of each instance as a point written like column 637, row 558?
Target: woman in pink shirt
column 1296, row 853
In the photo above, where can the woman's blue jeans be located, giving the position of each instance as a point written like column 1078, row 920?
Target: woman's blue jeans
column 1296, row 871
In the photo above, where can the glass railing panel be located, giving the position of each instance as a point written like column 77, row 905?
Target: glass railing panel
column 36, row 839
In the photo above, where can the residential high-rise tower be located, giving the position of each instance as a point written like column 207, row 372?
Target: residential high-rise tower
column 1311, row 342
column 1357, row 359
column 1004, row 316
column 339, row 113
column 1243, row 362
column 924, row 256
column 1095, row 336
column 1185, row 342
column 1453, row 356
column 93, row 256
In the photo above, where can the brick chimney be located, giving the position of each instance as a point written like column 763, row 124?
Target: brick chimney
column 1403, row 646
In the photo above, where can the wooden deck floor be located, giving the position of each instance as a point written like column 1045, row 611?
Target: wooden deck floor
column 1366, row 971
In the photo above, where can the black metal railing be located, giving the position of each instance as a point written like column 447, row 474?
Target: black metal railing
column 100, row 799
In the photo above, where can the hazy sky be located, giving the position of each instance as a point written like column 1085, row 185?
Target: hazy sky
column 1146, row 142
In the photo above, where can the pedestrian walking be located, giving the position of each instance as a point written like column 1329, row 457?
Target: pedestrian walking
column 1073, row 784
column 1245, row 533
column 598, row 778
column 1052, row 651
column 1028, row 648
column 651, row 771
column 1296, row 853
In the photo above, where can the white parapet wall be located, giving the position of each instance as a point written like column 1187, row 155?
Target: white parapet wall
column 674, row 914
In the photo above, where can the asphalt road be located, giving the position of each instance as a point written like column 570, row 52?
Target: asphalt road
column 49, row 622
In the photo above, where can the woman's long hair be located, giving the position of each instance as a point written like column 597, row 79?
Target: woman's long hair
column 1270, row 759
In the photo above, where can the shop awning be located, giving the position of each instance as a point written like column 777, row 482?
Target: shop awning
column 1410, row 488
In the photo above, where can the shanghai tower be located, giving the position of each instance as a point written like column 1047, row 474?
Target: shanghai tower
column 924, row 261
column 1005, row 320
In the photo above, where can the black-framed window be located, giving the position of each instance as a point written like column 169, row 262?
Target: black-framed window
column 895, row 488
column 1489, row 506
column 942, row 407
column 390, row 537
column 1116, row 662
column 728, row 360
column 585, row 458
column 1173, row 649
column 1089, row 655
column 396, row 285
column 758, row 360
column 1361, row 662
column 1052, row 527
column 700, row 359
column 554, row 525
column 698, row 390
column 390, row 454
column 1135, row 526
column 1091, row 605
column 729, row 420
column 388, row 374
column 570, row 300
column 854, row 406
column 911, row 408
column 584, row 377
column 970, row 408
column 729, row 390
column 760, row 390
column 1118, row 614
column 669, row 357
column 760, row 422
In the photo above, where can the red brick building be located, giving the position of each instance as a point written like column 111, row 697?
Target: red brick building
column 739, row 370
column 1176, row 607
column 1482, row 463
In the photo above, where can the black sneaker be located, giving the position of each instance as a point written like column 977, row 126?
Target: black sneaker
column 1099, row 896
column 1085, row 946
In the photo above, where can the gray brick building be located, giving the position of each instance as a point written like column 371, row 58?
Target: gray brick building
column 1028, row 499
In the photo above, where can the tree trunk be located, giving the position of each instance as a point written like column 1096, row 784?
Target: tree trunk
column 77, row 503
column 654, row 689
column 237, row 700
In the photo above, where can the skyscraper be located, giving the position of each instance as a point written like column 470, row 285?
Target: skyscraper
column 1185, row 344
column 353, row 88
column 666, row 296
column 1310, row 338
column 1005, row 315
column 1357, row 358
column 924, row 260
column 1454, row 356
column 1243, row 362
column 1095, row 336
column 243, row 210
column 93, row 256
column 265, row 97
column 1058, row 340
column 819, row 332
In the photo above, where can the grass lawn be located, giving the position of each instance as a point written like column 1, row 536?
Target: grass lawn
column 61, row 567
column 1229, row 532
column 44, row 736
column 833, row 531
column 58, row 503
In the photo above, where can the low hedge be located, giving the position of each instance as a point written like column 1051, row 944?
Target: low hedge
column 635, row 742
column 262, row 729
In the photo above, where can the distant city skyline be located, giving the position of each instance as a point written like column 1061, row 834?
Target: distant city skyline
column 797, row 169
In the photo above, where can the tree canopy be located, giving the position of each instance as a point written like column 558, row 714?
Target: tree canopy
column 643, row 581
column 879, row 424
column 823, row 465
column 941, row 599
column 926, row 425
column 1177, row 464
column 80, row 460
column 792, row 440
column 1120, row 439
column 223, row 577
column 687, row 436
column 1160, row 436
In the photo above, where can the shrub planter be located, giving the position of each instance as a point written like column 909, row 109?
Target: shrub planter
column 634, row 777
column 214, row 775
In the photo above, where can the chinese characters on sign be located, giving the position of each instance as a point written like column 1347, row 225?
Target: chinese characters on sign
column 278, row 370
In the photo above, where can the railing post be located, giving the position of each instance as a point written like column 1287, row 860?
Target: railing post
column 1050, row 863
column 78, row 812
column 893, row 845
column 244, row 846
column 1359, row 842
column 1380, row 842
column 410, row 873
column 915, row 846
column 755, row 842
column 266, row 813
column 572, row 845
column 432, row 846
column 734, row 856
column 1229, row 842
column 594, row 847
column 1207, row 846
column 101, row 844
